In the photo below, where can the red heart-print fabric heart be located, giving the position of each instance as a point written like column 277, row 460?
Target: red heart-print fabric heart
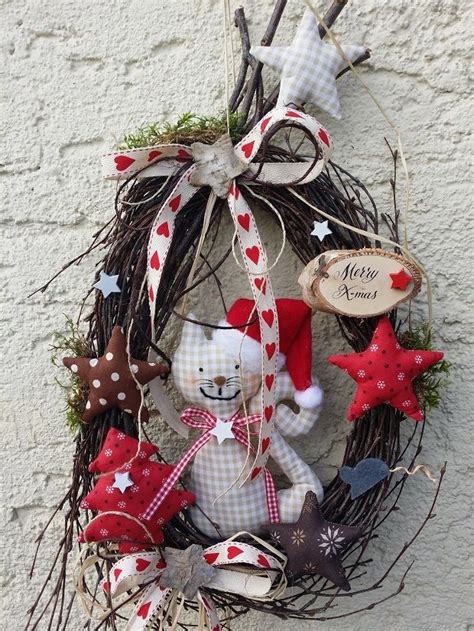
column 211, row 557
column 153, row 154
column 175, row 202
column 141, row 564
column 155, row 261
column 122, row 163
column 270, row 348
column 163, row 229
column 144, row 609
column 234, row 551
column 268, row 412
column 268, row 316
column 253, row 254
column 247, row 149
column 244, row 221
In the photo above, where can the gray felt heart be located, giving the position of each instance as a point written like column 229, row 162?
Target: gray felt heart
column 366, row 474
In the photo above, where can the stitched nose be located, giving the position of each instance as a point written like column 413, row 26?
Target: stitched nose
column 219, row 381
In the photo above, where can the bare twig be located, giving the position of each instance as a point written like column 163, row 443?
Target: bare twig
column 255, row 77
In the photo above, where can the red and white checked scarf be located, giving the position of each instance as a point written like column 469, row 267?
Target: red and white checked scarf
column 204, row 420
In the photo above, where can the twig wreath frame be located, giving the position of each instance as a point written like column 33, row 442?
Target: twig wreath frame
column 124, row 240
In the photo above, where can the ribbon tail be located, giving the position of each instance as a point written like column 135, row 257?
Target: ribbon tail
column 161, row 236
column 256, row 265
column 127, row 573
column 153, row 600
column 210, row 614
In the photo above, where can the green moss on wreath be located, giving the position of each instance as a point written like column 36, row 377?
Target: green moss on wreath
column 71, row 342
column 430, row 384
column 188, row 128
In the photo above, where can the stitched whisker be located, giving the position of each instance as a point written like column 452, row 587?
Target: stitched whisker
column 205, row 382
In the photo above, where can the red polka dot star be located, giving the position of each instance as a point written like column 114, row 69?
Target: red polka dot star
column 384, row 373
column 113, row 378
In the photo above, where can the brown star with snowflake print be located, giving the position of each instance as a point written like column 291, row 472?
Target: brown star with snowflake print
column 313, row 545
column 113, row 378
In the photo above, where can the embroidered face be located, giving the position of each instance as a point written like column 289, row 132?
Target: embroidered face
column 209, row 377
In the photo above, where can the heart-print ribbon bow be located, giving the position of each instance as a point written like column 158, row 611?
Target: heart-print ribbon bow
column 263, row 580
column 168, row 159
column 203, row 420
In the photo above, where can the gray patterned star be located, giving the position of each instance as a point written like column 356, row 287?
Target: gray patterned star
column 186, row 570
column 313, row 545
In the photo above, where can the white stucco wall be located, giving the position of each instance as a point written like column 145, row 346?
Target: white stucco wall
column 78, row 74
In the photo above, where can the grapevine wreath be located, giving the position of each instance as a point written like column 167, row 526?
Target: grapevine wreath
column 211, row 533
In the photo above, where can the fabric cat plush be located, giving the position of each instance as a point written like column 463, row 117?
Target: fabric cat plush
column 217, row 375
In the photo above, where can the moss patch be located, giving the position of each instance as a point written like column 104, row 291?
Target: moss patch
column 71, row 343
column 429, row 385
column 188, row 128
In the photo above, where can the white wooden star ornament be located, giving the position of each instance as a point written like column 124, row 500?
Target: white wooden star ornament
column 308, row 67
column 222, row 430
column 122, row 481
column 321, row 230
column 107, row 284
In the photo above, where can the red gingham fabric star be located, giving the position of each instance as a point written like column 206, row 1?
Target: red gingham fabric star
column 120, row 512
column 384, row 373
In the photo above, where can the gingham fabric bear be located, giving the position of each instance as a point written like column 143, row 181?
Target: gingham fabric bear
column 217, row 375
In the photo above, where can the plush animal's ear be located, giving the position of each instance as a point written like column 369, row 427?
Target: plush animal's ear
column 192, row 334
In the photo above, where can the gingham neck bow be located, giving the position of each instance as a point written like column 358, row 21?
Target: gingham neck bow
column 196, row 418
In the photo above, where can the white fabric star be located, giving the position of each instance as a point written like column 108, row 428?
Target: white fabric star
column 122, row 481
column 107, row 284
column 308, row 67
column 321, row 230
column 222, row 430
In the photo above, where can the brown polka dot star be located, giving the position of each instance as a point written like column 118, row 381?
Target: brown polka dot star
column 113, row 378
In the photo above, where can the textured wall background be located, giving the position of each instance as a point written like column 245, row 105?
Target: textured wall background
column 76, row 75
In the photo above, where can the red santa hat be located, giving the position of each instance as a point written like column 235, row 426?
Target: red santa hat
column 294, row 323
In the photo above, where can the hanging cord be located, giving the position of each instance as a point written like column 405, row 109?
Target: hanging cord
column 401, row 152
column 381, row 109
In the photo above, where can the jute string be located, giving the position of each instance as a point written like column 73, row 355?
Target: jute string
column 420, row 467
column 401, row 152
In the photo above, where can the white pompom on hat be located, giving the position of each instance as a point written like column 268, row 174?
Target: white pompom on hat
column 294, row 324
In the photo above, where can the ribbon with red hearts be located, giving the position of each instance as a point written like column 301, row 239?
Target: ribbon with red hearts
column 166, row 159
column 264, row 580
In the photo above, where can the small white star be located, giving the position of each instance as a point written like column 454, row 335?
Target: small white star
column 107, row 284
column 321, row 230
column 122, row 481
column 222, row 430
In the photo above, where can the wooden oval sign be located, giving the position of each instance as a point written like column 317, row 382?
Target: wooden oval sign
column 359, row 283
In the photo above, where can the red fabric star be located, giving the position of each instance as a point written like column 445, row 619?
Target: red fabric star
column 401, row 280
column 384, row 373
column 113, row 378
column 120, row 514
